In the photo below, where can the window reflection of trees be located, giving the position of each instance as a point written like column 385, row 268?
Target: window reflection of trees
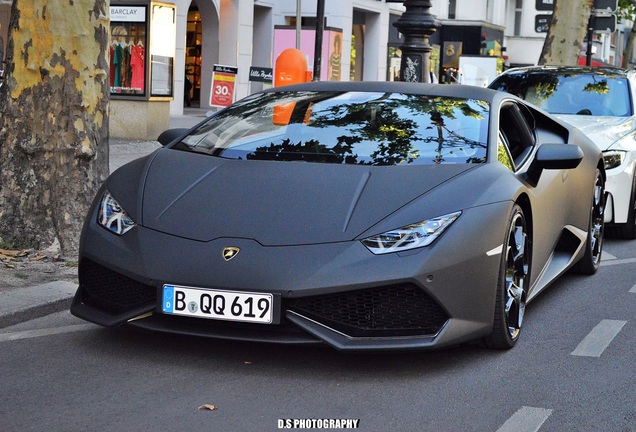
column 600, row 87
column 571, row 91
column 387, row 130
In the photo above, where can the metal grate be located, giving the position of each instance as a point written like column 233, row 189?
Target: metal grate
column 398, row 310
column 111, row 292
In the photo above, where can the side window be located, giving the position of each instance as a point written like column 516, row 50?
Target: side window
column 517, row 134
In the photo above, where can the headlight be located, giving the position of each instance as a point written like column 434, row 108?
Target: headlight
column 613, row 158
column 411, row 236
column 112, row 217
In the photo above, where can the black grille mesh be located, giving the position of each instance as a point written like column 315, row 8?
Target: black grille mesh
column 386, row 311
column 111, row 292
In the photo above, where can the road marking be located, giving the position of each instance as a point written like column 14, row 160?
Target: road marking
column 633, row 290
column 618, row 261
column 608, row 256
column 599, row 338
column 527, row 419
column 28, row 334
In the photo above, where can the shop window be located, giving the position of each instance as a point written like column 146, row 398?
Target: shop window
column 128, row 31
column 162, row 48
column 140, row 33
column 193, row 52
column 518, row 17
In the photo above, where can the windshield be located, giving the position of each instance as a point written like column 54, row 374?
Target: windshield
column 574, row 92
column 346, row 128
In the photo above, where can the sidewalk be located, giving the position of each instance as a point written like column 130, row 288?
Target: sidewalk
column 122, row 152
column 26, row 303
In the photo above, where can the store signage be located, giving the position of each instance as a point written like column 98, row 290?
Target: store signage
column 545, row 5
column 223, row 79
column 128, row 13
column 261, row 74
column 604, row 23
column 608, row 6
column 542, row 23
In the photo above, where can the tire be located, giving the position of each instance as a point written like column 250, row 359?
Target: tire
column 514, row 273
column 591, row 261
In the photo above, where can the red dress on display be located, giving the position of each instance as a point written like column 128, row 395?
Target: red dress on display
column 138, row 66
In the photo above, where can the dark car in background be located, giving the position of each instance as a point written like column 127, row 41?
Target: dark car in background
column 600, row 101
column 366, row 216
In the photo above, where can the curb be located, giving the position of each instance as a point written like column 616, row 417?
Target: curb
column 34, row 302
column 24, row 304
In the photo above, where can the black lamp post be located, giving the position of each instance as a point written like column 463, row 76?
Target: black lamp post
column 320, row 28
column 417, row 24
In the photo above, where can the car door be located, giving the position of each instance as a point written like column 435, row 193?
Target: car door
column 549, row 198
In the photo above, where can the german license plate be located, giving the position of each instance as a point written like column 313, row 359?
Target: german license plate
column 218, row 304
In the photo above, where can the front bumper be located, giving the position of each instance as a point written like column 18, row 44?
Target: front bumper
column 619, row 187
column 339, row 294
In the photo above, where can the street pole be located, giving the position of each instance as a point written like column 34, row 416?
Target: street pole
column 320, row 27
column 417, row 24
column 299, row 18
column 590, row 36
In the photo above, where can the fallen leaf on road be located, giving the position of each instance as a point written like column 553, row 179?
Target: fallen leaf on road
column 208, row 407
column 6, row 257
column 39, row 257
column 11, row 266
column 14, row 253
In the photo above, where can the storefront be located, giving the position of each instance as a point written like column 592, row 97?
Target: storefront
column 142, row 52
column 456, row 39
column 238, row 34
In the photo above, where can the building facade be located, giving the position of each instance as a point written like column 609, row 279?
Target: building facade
column 250, row 33
column 245, row 33
column 243, row 39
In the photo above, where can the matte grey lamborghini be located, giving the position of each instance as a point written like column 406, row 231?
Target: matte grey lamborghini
column 367, row 216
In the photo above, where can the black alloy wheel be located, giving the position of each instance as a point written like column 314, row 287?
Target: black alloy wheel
column 591, row 261
column 511, row 289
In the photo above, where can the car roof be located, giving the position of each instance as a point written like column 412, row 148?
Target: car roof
column 560, row 70
column 444, row 90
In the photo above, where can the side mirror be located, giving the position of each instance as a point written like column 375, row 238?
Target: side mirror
column 554, row 156
column 166, row 137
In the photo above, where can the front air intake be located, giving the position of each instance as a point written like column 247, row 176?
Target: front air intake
column 398, row 310
column 111, row 292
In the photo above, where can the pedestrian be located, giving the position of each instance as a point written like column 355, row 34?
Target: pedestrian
column 186, row 91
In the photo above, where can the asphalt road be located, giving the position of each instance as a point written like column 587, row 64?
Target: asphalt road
column 573, row 370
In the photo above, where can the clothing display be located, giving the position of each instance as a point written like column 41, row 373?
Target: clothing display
column 138, row 66
column 127, row 66
column 118, row 62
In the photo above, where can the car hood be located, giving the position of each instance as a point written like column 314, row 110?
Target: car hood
column 277, row 203
column 603, row 130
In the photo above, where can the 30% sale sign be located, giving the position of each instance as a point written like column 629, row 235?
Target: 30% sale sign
column 223, row 80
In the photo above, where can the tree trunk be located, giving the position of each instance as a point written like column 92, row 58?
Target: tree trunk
column 567, row 32
column 629, row 49
column 54, row 120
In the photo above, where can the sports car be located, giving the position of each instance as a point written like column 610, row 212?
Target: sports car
column 601, row 102
column 361, row 215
